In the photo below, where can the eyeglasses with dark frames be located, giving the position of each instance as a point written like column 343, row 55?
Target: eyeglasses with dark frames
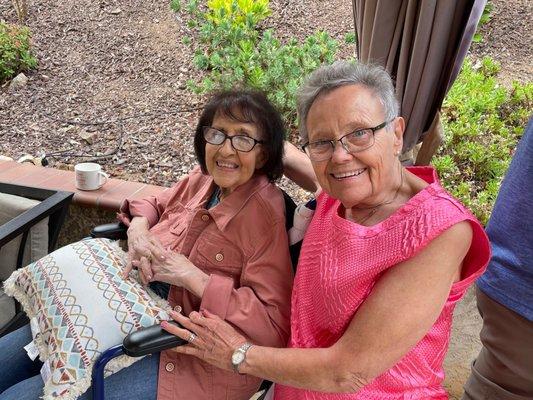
column 352, row 142
column 238, row 142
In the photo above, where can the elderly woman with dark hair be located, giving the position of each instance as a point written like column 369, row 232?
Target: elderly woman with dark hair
column 221, row 244
column 386, row 257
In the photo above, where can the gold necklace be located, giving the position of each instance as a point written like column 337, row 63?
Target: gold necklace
column 374, row 209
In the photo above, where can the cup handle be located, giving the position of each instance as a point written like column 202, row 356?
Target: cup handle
column 104, row 180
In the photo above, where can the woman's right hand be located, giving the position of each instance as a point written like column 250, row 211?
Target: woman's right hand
column 139, row 242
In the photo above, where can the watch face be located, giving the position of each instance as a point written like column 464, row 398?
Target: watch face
column 237, row 358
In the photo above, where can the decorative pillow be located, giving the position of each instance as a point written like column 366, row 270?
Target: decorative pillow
column 80, row 306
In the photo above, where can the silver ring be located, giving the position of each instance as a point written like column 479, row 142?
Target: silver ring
column 192, row 337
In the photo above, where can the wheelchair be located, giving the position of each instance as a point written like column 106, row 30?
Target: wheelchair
column 153, row 339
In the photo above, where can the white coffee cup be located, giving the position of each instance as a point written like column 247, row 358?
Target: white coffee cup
column 89, row 176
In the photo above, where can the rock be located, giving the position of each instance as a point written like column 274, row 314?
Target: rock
column 89, row 137
column 66, row 129
column 115, row 11
column 18, row 82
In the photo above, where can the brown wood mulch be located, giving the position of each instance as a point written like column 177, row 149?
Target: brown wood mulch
column 111, row 79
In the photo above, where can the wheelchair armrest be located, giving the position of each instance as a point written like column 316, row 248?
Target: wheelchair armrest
column 114, row 231
column 151, row 339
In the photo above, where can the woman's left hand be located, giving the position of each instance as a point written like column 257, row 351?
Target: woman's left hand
column 176, row 269
column 215, row 340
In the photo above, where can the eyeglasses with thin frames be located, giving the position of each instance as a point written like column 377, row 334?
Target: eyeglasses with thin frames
column 238, row 142
column 352, row 142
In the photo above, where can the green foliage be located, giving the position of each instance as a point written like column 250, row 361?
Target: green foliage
column 192, row 7
column 485, row 17
column 235, row 52
column 350, row 37
column 483, row 122
column 15, row 55
column 237, row 12
column 175, row 5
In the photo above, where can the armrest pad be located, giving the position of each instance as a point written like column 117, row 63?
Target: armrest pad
column 150, row 340
column 114, row 231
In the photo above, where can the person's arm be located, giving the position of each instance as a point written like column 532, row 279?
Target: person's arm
column 403, row 305
column 139, row 215
column 297, row 167
column 149, row 208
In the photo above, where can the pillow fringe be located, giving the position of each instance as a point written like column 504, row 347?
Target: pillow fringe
column 13, row 290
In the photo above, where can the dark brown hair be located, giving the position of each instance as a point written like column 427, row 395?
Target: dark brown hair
column 250, row 107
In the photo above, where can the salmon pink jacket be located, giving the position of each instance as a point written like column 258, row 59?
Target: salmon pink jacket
column 242, row 244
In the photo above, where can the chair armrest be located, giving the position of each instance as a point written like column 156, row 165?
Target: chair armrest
column 150, row 340
column 114, row 231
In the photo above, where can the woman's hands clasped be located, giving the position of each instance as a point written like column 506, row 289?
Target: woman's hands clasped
column 156, row 263
column 165, row 265
column 214, row 340
column 139, row 243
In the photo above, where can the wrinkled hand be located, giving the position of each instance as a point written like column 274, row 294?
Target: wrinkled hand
column 169, row 266
column 139, row 242
column 216, row 339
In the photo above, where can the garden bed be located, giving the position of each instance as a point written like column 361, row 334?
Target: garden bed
column 111, row 80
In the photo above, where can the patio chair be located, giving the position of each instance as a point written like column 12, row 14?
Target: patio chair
column 30, row 221
column 154, row 339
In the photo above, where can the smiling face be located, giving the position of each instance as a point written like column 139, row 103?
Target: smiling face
column 228, row 167
column 365, row 178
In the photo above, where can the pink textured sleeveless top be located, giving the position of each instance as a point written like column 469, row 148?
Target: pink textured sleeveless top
column 341, row 261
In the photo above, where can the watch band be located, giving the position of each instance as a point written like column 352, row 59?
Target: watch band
column 242, row 349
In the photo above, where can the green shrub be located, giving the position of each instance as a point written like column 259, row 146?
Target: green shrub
column 15, row 55
column 235, row 52
column 483, row 122
column 350, row 37
column 237, row 12
column 485, row 18
column 175, row 5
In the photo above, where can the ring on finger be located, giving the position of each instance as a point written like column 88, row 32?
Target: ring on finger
column 192, row 337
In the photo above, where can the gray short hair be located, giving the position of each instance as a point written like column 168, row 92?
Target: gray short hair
column 341, row 73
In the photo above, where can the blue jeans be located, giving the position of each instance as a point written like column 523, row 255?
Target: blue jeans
column 20, row 378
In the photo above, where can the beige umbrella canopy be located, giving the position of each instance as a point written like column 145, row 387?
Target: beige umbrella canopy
column 422, row 44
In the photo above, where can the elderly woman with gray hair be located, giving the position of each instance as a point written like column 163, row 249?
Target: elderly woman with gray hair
column 386, row 257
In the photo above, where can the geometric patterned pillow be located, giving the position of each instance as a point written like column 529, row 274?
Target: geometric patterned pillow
column 80, row 306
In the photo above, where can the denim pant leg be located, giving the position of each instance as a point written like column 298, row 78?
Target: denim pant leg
column 138, row 381
column 15, row 365
column 20, row 377
column 29, row 389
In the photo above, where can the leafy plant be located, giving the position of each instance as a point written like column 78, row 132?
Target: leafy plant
column 193, row 7
column 175, row 5
column 235, row 52
column 15, row 55
column 483, row 122
column 485, row 18
column 350, row 37
column 238, row 12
